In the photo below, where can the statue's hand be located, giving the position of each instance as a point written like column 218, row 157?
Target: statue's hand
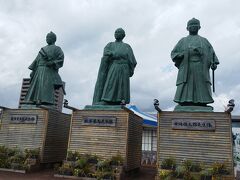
column 31, row 74
column 198, row 51
column 108, row 53
column 115, row 55
column 131, row 73
column 180, row 56
column 50, row 63
column 213, row 66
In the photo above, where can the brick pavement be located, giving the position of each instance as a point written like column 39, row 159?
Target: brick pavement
column 47, row 174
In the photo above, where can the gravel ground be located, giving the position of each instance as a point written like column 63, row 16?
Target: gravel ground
column 144, row 174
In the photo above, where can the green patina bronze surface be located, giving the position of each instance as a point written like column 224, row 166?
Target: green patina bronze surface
column 44, row 77
column 194, row 56
column 116, row 68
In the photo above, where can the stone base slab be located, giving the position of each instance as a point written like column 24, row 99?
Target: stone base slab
column 202, row 146
column 92, row 133
column 180, row 108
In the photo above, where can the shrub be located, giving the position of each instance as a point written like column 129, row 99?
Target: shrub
column 166, row 174
column 197, row 167
column 93, row 159
column 73, row 156
column 168, row 163
column 87, row 165
column 32, row 153
column 15, row 158
column 81, row 163
column 12, row 151
column 56, row 167
column 187, row 164
column 219, row 168
column 66, row 169
column 206, row 174
column 18, row 158
column 179, row 171
column 104, row 165
column 4, row 157
column 117, row 160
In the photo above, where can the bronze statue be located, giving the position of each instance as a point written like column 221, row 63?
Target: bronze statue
column 117, row 66
column 44, row 77
column 194, row 56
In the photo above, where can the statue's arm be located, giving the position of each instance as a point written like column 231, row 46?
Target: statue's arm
column 132, row 60
column 105, row 61
column 108, row 51
column 33, row 66
column 214, row 58
column 215, row 61
column 177, row 53
column 58, row 59
column 102, row 74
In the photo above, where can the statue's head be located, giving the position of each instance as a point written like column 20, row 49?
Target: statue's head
column 119, row 34
column 193, row 26
column 51, row 38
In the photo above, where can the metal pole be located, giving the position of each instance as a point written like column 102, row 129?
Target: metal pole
column 213, row 81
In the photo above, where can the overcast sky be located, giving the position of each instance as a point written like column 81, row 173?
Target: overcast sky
column 84, row 27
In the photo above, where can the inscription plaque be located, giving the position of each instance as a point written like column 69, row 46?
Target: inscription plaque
column 193, row 124
column 99, row 121
column 23, row 119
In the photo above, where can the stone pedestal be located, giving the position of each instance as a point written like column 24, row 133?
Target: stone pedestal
column 198, row 136
column 36, row 128
column 180, row 108
column 106, row 133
